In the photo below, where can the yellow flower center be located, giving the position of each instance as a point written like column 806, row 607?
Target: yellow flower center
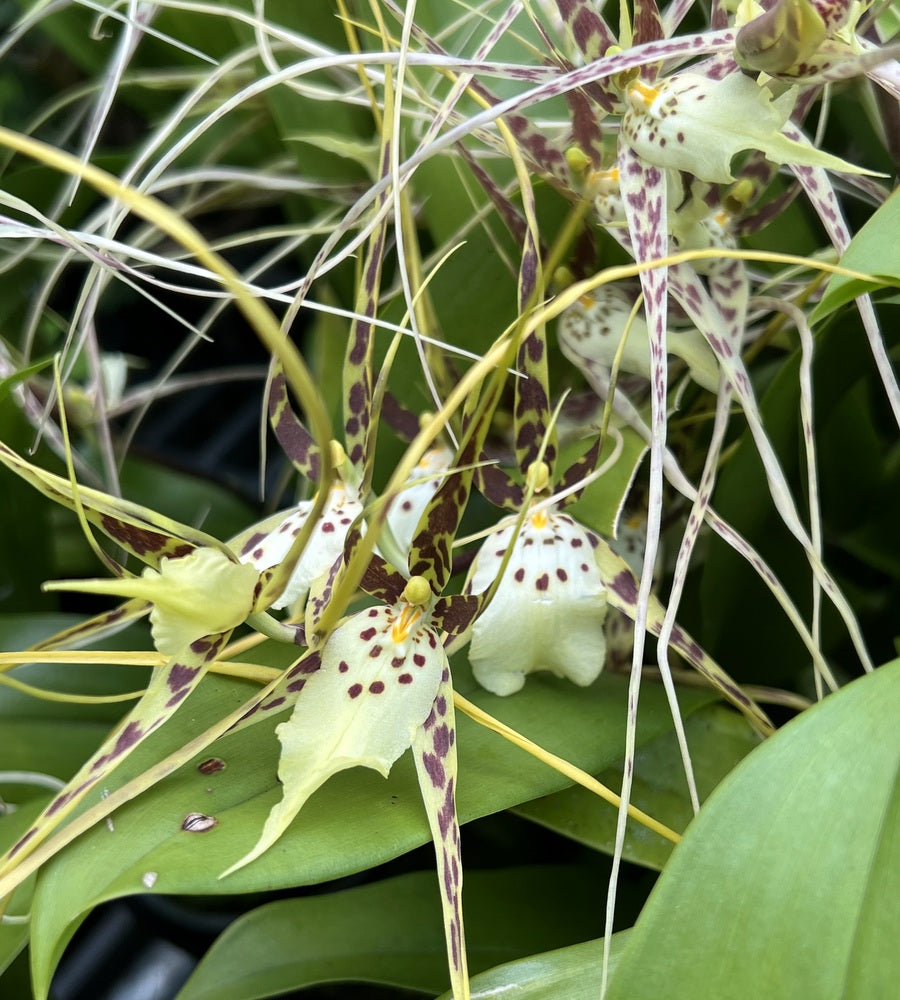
column 641, row 96
column 539, row 520
column 405, row 623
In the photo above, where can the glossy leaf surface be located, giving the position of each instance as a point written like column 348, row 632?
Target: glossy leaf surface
column 814, row 890
column 290, row 944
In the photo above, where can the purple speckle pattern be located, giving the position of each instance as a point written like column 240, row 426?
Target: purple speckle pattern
column 434, row 750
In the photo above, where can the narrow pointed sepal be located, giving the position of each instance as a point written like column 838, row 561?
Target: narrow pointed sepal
column 622, row 592
column 373, row 686
column 169, row 686
column 139, row 530
column 296, row 441
column 434, row 751
column 407, row 508
column 547, row 612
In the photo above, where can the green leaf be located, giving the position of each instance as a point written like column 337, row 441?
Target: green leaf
column 566, row 974
column 291, row 944
column 788, row 882
column 718, row 739
column 873, row 251
column 355, row 821
column 598, row 507
column 14, row 822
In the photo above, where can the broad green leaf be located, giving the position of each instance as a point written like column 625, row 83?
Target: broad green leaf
column 294, row 943
column 874, row 251
column 565, row 974
column 718, row 739
column 355, row 821
column 788, row 882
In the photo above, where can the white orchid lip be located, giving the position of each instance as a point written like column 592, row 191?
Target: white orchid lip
column 548, row 610
column 325, row 544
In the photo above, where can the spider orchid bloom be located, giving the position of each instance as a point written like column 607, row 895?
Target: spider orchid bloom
column 692, row 123
column 548, row 610
column 192, row 596
column 198, row 592
column 590, row 332
column 380, row 684
column 365, row 694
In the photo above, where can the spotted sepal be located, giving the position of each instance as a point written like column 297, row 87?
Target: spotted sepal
column 282, row 694
column 169, row 686
column 140, row 531
column 577, row 471
column 406, row 508
column 404, row 423
column 434, row 751
column 531, row 411
column 358, row 416
column 295, row 440
column 456, row 613
column 430, row 554
column 622, row 591
column 381, row 579
column 499, row 488
column 99, row 627
column 647, row 23
column 589, row 31
column 532, row 404
column 375, row 684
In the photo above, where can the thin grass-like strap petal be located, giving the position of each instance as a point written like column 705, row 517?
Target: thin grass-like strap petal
column 430, row 554
column 99, row 627
column 821, row 193
column 622, row 593
column 139, row 530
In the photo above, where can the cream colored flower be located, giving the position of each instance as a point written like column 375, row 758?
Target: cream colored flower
column 692, row 123
column 548, row 611
column 591, row 330
column 193, row 596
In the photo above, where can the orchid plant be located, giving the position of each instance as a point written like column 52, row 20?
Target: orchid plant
column 512, row 220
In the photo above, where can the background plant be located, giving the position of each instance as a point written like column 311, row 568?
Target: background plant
column 272, row 131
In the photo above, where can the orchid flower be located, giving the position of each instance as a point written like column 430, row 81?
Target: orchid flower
column 548, row 611
column 591, row 330
column 692, row 123
column 380, row 682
